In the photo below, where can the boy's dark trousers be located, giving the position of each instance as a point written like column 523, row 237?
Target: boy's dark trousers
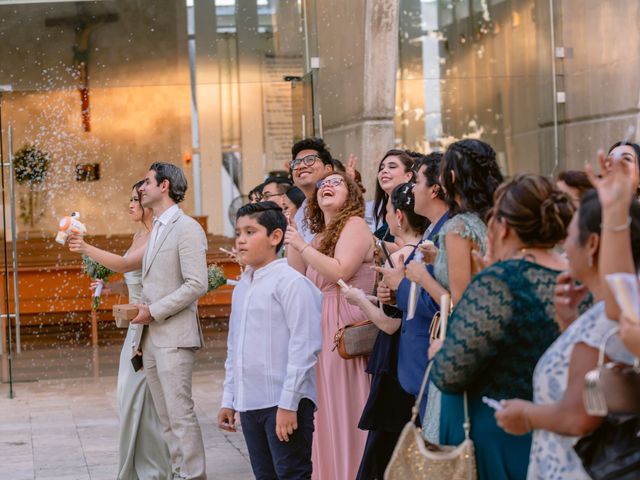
column 272, row 459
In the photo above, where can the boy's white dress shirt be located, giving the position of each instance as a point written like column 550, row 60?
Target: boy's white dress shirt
column 274, row 339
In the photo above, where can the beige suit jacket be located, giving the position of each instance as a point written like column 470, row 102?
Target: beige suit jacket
column 174, row 277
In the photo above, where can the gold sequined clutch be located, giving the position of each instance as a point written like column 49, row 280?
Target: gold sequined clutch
column 414, row 458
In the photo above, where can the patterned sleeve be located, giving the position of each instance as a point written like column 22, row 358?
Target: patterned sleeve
column 466, row 225
column 476, row 326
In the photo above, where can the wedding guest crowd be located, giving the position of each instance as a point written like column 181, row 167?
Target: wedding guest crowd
column 523, row 264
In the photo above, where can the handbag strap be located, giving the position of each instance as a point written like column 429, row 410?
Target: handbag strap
column 415, row 410
column 602, row 351
column 603, row 346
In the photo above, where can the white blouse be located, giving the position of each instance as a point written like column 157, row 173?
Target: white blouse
column 552, row 456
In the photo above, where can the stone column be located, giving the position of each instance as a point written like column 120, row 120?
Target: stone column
column 208, row 94
column 357, row 43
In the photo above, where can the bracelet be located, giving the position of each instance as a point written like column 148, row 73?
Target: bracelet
column 619, row 228
column 304, row 248
column 525, row 413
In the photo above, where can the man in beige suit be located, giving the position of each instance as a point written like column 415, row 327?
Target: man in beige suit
column 174, row 276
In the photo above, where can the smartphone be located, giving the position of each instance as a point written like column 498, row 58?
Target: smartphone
column 136, row 361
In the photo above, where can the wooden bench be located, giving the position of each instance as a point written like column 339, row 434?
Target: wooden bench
column 54, row 290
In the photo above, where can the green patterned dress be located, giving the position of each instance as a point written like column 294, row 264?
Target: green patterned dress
column 496, row 334
column 467, row 225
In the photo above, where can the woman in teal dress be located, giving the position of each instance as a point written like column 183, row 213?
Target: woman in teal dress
column 504, row 322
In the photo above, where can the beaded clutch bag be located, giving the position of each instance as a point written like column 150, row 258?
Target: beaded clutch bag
column 415, row 458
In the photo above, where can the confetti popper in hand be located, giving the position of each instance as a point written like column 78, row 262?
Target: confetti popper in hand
column 97, row 272
column 415, row 288
column 215, row 277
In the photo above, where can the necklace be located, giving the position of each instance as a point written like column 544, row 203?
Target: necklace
column 527, row 254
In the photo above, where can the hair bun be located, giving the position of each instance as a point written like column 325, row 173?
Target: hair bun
column 555, row 215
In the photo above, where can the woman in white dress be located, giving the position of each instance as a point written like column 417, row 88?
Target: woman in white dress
column 143, row 453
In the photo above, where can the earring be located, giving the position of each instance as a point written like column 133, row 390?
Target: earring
column 590, row 261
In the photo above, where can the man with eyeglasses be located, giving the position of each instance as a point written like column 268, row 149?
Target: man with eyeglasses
column 275, row 190
column 311, row 161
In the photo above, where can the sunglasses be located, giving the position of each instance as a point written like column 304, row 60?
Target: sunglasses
column 334, row 182
column 308, row 160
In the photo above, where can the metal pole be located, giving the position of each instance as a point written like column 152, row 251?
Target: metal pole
column 14, row 240
column 307, row 58
column 6, row 315
column 554, row 83
column 195, row 123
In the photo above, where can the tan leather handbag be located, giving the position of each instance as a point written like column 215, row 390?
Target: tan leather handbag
column 355, row 340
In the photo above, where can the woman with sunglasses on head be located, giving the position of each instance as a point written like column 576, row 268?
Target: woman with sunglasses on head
column 342, row 249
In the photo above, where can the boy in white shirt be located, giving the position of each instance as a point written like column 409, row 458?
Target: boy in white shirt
column 272, row 349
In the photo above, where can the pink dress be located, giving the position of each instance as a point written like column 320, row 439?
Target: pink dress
column 343, row 385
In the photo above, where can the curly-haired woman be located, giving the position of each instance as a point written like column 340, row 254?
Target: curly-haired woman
column 469, row 175
column 343, row 248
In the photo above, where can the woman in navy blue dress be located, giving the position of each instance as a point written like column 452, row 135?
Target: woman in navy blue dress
column 388, row 407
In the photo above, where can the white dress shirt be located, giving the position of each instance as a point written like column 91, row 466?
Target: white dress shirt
column 303, row 230
column 274, row 339
column 158, row 226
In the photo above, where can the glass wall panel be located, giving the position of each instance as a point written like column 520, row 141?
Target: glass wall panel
column 103, row 89
column 474, row 68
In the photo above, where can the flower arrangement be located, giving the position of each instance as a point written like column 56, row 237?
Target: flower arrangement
column 30, row 166
column 215, row 277
column 97, row 272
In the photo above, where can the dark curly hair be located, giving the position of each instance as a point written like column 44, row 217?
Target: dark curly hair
column 477, row 176
column 381, row 197
column 353, row 207
column 535, row 209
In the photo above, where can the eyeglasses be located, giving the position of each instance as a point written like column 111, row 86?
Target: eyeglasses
column 308, row 160
column 334, row 182
column 267, row 196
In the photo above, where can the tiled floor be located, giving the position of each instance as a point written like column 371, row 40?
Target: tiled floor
column 65, row 428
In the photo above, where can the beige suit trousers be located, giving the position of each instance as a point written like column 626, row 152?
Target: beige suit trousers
column 169, row 373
